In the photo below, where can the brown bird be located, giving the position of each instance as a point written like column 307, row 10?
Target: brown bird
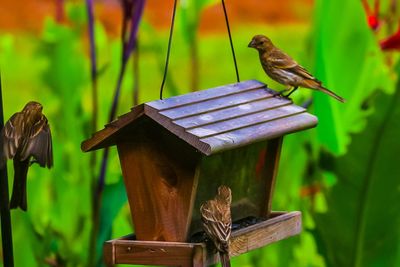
column 26, row 135
column 217, row 222
column 283, row 69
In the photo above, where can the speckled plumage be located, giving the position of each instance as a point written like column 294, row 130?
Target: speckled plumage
column 282, row 68
column 25, row 135
column 217, row 222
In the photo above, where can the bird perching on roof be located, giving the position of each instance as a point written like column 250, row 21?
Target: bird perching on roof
column 283, row 69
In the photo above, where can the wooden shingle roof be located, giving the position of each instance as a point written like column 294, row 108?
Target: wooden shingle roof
column 216, row 119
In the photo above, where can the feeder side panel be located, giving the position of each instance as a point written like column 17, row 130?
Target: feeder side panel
column 271, row 158
column 241, row 169
column 160, row 177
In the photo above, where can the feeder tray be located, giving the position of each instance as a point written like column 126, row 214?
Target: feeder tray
column 127, row 250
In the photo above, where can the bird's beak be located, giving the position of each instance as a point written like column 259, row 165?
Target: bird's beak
column 251, row 44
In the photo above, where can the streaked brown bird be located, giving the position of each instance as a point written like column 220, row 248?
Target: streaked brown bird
column 217, row 222
column 283, row 69
column 26, row 138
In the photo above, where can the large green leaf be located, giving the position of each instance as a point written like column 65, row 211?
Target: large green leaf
column 349, row 62
column 361, row 227
column 114, row 197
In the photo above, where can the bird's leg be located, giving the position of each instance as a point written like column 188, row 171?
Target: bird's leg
column 280, row 93
column 291, row 92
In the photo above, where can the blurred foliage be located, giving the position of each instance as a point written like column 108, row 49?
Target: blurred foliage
column 361, row 227
column 341, row 175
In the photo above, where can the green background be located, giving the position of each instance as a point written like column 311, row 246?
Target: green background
column 343, row 175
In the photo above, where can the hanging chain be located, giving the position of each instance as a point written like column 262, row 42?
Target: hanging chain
column 171, row 31
column 231, row 42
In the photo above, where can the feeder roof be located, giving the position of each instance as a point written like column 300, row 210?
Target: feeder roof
column 216, row 119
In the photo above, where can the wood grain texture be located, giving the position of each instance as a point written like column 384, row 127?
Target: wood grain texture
column 214, row 104
column 107, row 136
column 160, row 177
column 130, row 251
column 269, row 173
column 203, row 95
column 279, row 227
column 230, row 112
column 154, row 253
column 241, row 170
column 216, row 119
column 258, row 132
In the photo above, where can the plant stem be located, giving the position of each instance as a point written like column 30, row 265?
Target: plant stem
column 194, row 54
column 93, row 157
column 136, row 74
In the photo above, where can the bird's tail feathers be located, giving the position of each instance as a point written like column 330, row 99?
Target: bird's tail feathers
column 224, row 257
column 332, row 94
column 18, row 197
column 316, row 84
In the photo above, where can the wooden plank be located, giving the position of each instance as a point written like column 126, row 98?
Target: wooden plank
column 270, row 171
column 214, row 104
column 177, row 130
column 125, row 251
column 249, row 120
column 202, row 95
column 109, row 253
column 231, row 112
column 104, row 137
column 156, row 253
column 261, row 234
column 241, row 171
column 159, row 172
column 259, row 132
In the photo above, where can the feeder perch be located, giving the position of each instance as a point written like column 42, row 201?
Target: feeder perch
column 174, row 154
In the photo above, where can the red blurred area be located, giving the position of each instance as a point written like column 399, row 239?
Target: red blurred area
column 392, row 42
column 28, row 15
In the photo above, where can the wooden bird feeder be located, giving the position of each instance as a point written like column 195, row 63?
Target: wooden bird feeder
column 174, row 154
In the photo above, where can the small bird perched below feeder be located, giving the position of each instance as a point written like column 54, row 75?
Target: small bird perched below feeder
column 25, row 135
column 282, row 68
column 217, row 222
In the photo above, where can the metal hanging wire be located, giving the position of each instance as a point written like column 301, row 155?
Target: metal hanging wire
column 171, row 31
column 231, row 42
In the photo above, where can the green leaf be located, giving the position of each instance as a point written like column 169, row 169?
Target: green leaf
column 361, row 228
column 347, row 59
column 114, row 197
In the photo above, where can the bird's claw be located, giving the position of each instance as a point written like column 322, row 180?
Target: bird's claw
column 281, row 95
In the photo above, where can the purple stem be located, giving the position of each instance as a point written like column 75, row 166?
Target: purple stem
column 89, row 4
column 93, row 72
column 136, row 15
column 127, row 49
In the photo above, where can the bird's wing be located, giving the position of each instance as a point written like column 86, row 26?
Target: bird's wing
column 280, row 60
column 11, row 137
column 214, row 224
column 39, row 144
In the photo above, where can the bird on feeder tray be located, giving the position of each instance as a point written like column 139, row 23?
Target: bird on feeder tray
column 217, row 222
column 283, row 69
column 25, row 135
